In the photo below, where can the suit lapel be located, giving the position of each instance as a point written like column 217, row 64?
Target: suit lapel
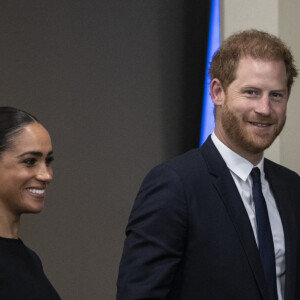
column 282, row 195
column 230, row 196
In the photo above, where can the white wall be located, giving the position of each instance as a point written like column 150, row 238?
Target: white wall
column 280, row 18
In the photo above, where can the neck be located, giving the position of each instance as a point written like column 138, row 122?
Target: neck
column 9, row 226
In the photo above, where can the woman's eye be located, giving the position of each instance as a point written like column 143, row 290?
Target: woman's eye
column 49, row 160
column 30, row 162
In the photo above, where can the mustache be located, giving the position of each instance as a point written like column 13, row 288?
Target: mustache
column 261, row 119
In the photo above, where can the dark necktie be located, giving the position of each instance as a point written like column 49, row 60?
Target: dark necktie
column 265, row 238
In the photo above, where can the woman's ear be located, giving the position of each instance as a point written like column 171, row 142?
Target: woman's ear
column 217, row 92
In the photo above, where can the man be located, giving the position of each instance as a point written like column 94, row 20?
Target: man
column 204, row 225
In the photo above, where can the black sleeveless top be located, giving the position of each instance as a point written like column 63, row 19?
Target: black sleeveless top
column 21, row 273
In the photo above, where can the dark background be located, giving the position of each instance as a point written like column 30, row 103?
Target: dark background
column 118, row 84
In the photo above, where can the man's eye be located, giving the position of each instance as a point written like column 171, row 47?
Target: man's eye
column 251, row 92
column 29, row 162
column 276, row 95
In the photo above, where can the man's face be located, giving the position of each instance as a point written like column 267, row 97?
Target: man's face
column 254, row 108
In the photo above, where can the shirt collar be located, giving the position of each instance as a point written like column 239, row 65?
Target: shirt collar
column 236, row 163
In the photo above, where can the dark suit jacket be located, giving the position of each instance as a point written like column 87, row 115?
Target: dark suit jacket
column 189, row 236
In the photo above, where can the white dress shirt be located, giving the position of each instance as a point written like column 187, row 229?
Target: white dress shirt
column 240, row 169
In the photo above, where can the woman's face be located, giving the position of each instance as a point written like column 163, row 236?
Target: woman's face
column 25, row 171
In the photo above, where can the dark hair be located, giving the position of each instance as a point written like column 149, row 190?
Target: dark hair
column 12, row 123
column 250, row 43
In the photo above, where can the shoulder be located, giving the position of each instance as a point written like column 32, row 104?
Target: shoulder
column 185, row 163
column 190, row 168
column 34, row 256
column 273, row 169
column 172, row 175
column 283, row 180
column 174, row 181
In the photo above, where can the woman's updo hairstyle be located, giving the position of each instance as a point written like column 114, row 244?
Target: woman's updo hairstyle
column 12, row 123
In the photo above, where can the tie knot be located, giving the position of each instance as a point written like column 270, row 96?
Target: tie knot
column 255, row 174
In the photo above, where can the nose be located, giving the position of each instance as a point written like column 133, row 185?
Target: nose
column 262, row 106
column 45, row 173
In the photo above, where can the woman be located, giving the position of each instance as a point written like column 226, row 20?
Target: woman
column 25, row 172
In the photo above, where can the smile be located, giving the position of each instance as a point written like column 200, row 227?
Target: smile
column 36, row 191
column 260, row 124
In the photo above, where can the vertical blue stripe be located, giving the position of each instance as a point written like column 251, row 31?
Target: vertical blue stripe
column 214, row 39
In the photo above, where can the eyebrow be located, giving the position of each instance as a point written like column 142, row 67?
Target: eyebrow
column 259, row 88
column 250, row 87
column 280, row 91
column 284, row 90
column 35, row 153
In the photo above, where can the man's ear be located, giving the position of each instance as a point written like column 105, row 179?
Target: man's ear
column 217, row 92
